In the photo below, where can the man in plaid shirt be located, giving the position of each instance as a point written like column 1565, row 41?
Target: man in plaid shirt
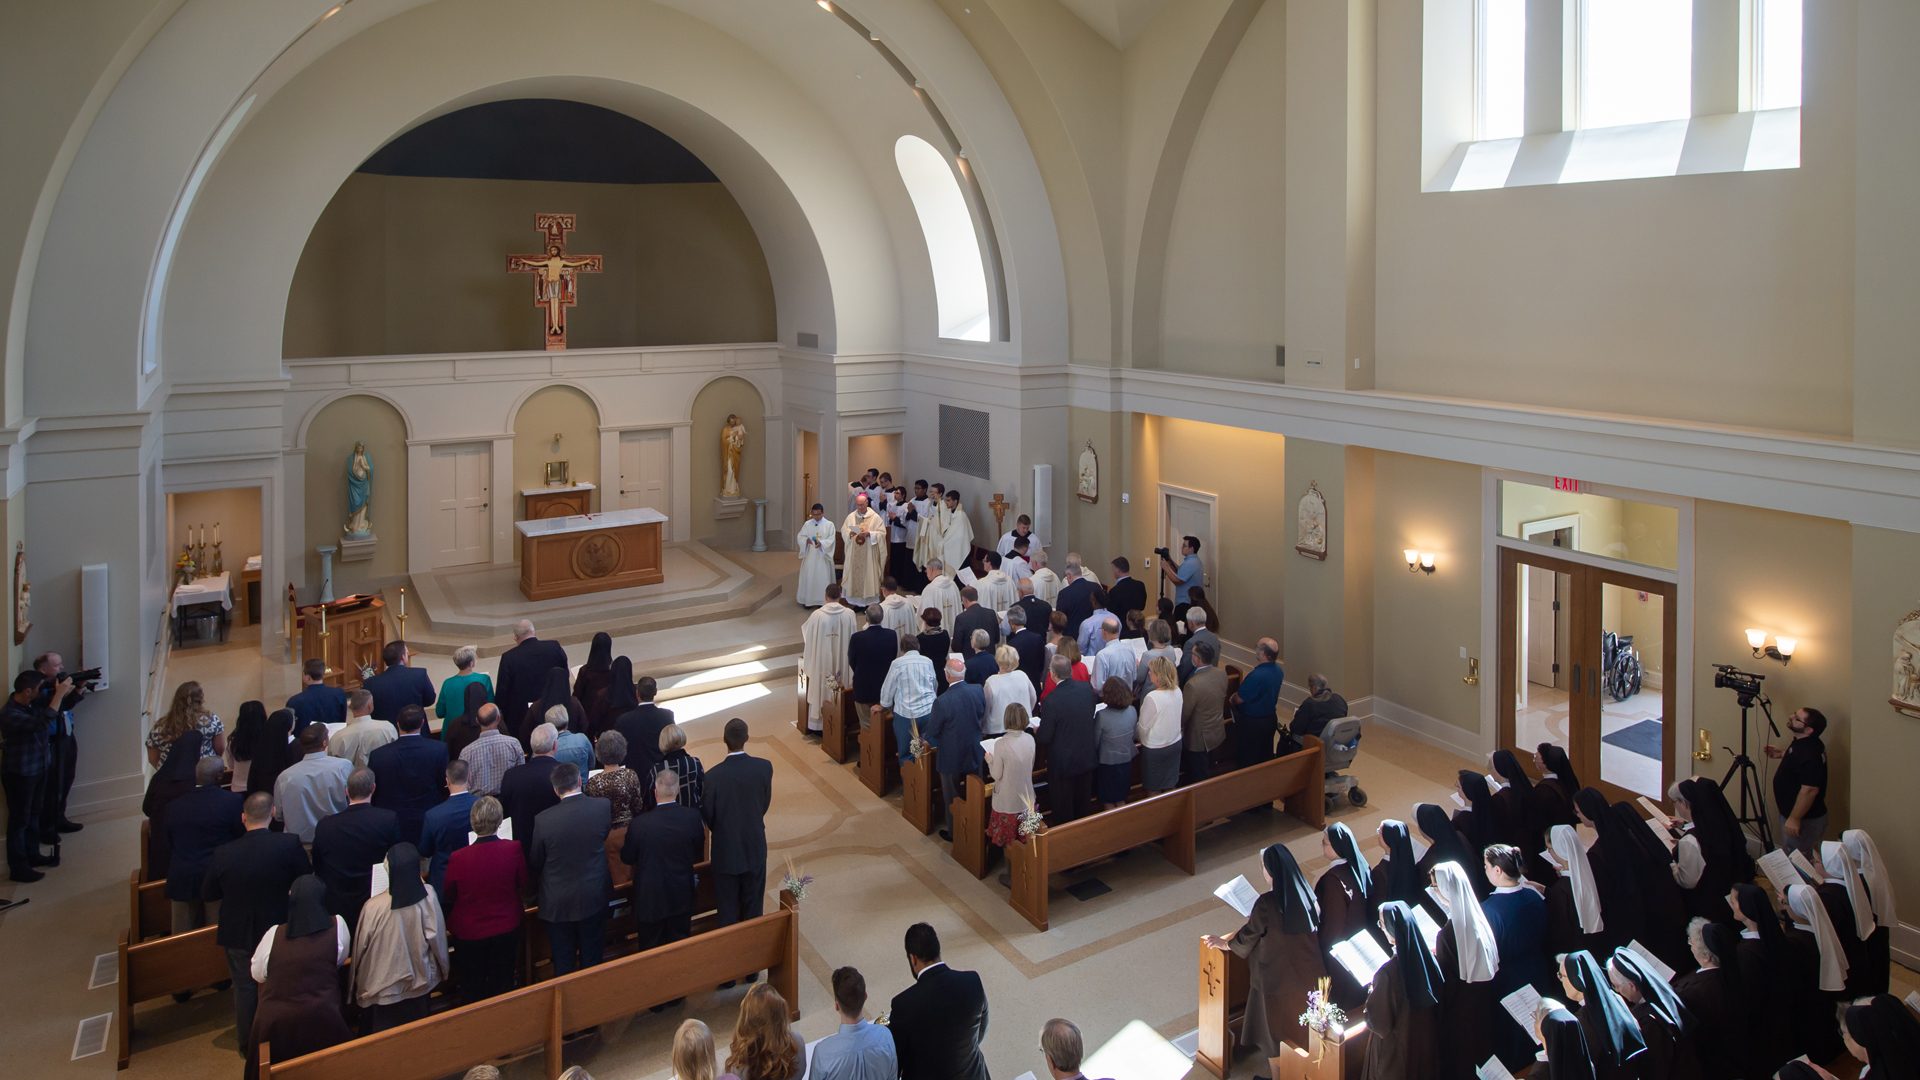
column 24, row 725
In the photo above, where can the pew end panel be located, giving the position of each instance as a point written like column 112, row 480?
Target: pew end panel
column 970, row 848
column 879, row 767
column 179, row 963
column 840, row 728
column 1309, row 803
column 1166, row 817
column 1223, row 1002
column 920, row 792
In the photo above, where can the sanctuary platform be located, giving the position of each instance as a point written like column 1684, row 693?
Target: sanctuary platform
column 478, row 605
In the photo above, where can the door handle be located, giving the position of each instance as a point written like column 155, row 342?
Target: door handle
column 1593, row 682
column 1578, row 678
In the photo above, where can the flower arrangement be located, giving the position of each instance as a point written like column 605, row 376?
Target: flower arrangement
column 1031, row 821
column 1322, row 1014
column 796, row 883
column 915, row 744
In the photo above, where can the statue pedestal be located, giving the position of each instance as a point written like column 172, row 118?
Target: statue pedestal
column 759, row 524
column 725, row 508
column 358, row 549
column 326, row 572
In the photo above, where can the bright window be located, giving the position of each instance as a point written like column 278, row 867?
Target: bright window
column 1501, row 41
column 1636, row 61
column 1776, row 51
column 959, row 275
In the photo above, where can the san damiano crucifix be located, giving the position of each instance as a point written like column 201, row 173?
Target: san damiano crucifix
column 554, row 271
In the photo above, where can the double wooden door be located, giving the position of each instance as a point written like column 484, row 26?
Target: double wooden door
column 1587, row 659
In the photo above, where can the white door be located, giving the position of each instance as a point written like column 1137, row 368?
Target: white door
column 644, row 460
column 1541, row 620
column 1188, row 515
column 461, row 475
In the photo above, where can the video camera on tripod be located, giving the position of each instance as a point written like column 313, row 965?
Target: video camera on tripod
column 1743, row 683
column 1751, row 804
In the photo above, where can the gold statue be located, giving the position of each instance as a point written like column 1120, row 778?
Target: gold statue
column 733, row 444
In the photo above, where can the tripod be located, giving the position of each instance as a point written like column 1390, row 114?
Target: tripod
column 1752, row 808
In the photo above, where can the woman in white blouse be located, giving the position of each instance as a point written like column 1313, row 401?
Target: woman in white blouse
column 1010, row 687
column 1159, row 728
column 1010, row 763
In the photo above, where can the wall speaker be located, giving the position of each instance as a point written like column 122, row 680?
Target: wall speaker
column 95, row 627
column 1042, row 504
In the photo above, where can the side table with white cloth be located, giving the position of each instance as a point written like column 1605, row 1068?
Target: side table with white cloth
column 208, row 598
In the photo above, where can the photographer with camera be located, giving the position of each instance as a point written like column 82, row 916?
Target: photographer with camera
column 25, row 722
column 1800, row 784
column 63, row 746
column 1184, row 576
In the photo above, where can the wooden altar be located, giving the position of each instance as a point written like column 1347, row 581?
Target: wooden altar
column 558, row 501
column 583, row 553
column 356, row 631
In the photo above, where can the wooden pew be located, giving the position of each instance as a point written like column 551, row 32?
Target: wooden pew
column 970, row 847
column 839, row 727
column 536, row 951
column 1300, row 776
column 879, row 767
column 1167, row 818
column 177, row 964
column 920, row 793
column 150, row 913
column 1223, row 1005
column 538, row 1016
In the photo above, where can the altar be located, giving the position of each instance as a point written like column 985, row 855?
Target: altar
column 584, row 553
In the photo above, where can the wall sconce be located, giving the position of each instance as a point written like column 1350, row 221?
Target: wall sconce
column 1418, row 562
column 1781, row 649
column 556, row 442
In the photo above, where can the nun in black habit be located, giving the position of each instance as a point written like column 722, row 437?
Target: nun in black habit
column 1281, row 946
column 1665, row 1023
column 1402, row 1013
column 1613, row 1036
column 1766, row 974
column 1565, row 1046
column 1342, row 895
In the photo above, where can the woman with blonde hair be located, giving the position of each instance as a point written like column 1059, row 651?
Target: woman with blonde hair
column 694, row 1057
column 1008, row 688
column 1159, row 728
column 188, row 713
column 1010, row 762
column 764, row 1046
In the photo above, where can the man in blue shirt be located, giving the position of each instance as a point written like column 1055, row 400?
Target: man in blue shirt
column 862, row 1050
column 316, row 703
column 1187, row 574
column 444, row 830
column 1256, row 707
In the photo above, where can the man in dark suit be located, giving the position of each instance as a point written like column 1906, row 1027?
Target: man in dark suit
column 1127, row 593
column 444, row 829
column 1071, row 734
column 974, row 617
column 662, row 846
column 527, row 789
column 734, row 806
column 870, row 652
column 569, row 860
column 1031, row 644
column 196, row 824
column 523, row 674
column 982, row 665
column 1077, row 599
column 409, row 771
column 641, row 727
column 1039, row 612
column 316, row 703
column 399, row 685
column 939, row 1022
column 249, row 879
column 953, row 727
column 347, row 844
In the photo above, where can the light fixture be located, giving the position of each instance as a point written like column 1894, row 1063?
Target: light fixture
column 825, row 5
column 1418, row 562
column 1781, row 649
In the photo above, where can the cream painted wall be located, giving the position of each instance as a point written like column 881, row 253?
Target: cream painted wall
column 1884, row 742
column 407, row 264
column 1099, row 527
column 1223, row 308
column 568, row 412
column 875, row 452
column 1329, row 615
column 1421, row 621
column 710, row 409
column 235, row 510
column 1732, row 293
column 330, row 439
column 1789, row 574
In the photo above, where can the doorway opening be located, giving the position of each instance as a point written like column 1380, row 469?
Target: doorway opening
column 220, row 532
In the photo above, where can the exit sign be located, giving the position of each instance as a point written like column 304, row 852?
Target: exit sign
column 1566, row 483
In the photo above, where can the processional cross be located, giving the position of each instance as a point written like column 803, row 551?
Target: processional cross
column 999, row 505
column 553, row 282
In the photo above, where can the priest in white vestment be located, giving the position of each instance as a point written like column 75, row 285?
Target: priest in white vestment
column 899, row 612
column 865, row 534
column 1046, row 583
column 814, row 538
column 823, row 653
column 1017, row 566
column 1022, row 529
column 997, row 590
column 941, row 593
column 956, row 535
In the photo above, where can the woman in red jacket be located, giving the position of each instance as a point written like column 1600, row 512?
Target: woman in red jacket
column 484, row 883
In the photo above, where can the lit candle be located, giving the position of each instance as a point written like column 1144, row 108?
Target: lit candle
column 403, row 602
column 216, row 532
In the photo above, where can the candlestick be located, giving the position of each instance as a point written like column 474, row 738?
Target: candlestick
column 216, row 532
column 403, row 601
column 323, row 620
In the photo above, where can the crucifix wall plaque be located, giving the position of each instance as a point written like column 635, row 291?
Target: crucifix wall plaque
column 554, row 274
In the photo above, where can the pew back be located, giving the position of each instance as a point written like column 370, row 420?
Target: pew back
column 168, row 965
column 150, row 913
column 1300, row 775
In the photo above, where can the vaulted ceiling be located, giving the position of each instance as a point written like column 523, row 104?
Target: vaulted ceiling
column 1119, row 21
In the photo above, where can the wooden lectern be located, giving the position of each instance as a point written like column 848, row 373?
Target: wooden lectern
column 1223, row 1005
column 356, row 631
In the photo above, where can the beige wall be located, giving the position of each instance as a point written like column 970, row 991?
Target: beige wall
column 875, row 452
column 1329, row 615
column 1097, row 529
column 330, row 439
column 568, row 412
column 403, row 264
column 1885, row 742
column 710, row 409
column 1421, row 621
column 235, row 510
column 1223, row 308
column 1788, row 574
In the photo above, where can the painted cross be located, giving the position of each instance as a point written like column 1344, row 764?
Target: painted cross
column 554, row 272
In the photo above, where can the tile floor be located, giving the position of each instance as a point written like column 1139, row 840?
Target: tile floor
column 1544, row 719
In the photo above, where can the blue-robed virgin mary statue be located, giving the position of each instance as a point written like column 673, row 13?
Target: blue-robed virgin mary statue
column 359, row 492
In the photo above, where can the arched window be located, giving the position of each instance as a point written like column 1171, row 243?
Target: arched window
column 959, row 275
